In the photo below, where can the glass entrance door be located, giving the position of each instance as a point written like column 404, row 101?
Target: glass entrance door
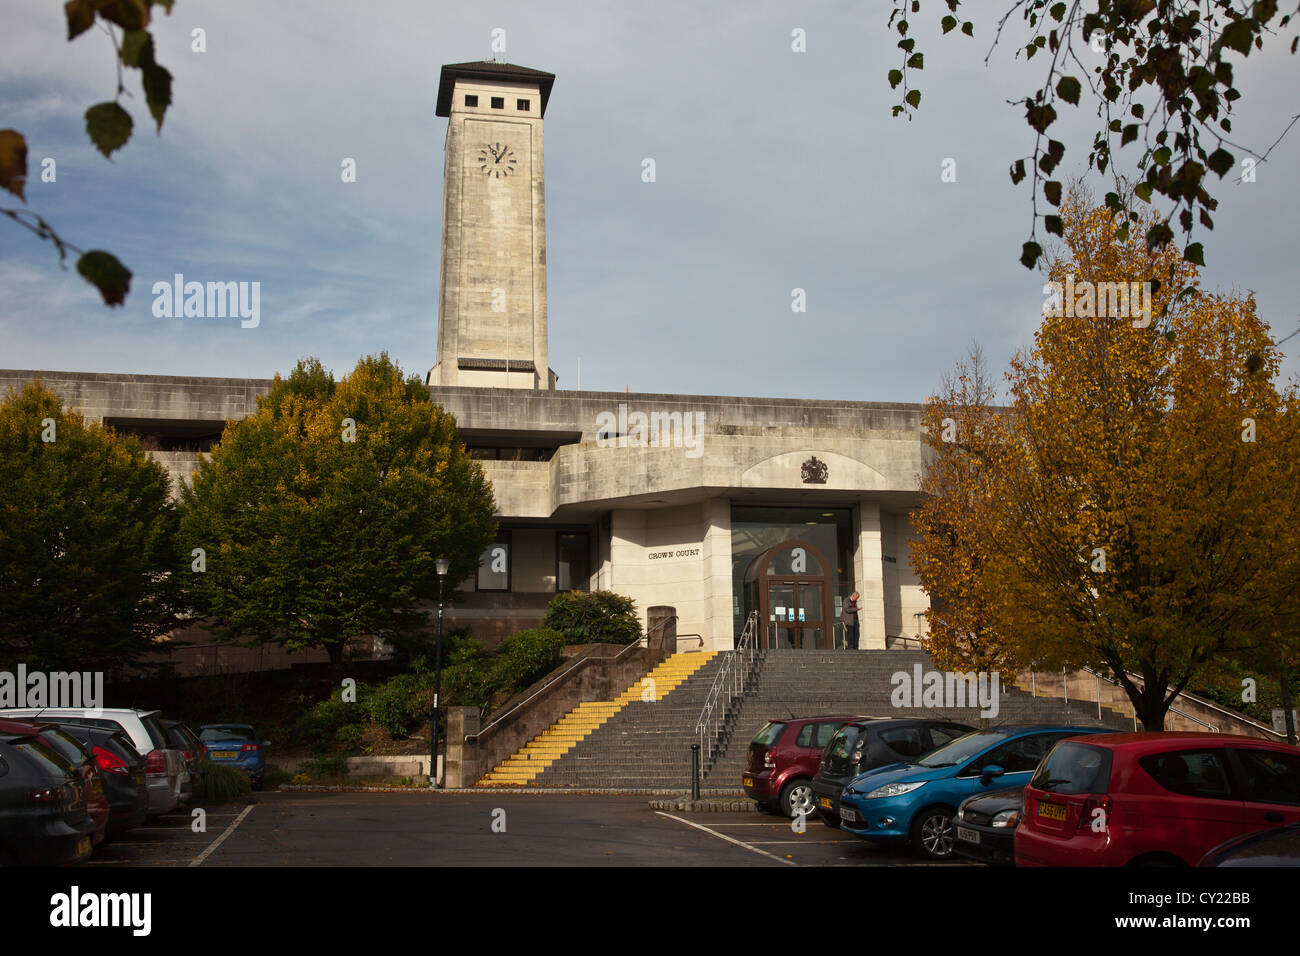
column 795, row 615
column 793, row 587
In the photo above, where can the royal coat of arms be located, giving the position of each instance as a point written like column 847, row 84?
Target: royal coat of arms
column 814, row 471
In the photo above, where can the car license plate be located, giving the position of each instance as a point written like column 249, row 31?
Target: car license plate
column 970, row 836
column 97, row 787
column 826, row 802
column 747, row 781
column 83, row 846
column 229, row 755
column 1053, row 811
column 850, row 815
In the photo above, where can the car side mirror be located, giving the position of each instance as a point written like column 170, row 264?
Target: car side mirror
column 990, row 771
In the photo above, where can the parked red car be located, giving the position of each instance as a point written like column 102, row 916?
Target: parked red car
column 1163, row 799
column 783, row 759
column 97, row 806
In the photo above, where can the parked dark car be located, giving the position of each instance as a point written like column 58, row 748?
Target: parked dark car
column 43, row 820
column 97, row 807
column 985, row 826
column 783, row 759
column 185, row 740
column 1277, row 847
column 875, row 742
column 122, row 769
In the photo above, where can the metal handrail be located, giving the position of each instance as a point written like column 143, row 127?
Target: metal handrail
column 572, row 667
column 731, row 680
column 1213, row 728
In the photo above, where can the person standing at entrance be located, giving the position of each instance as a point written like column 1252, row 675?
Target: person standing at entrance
column 849, row 618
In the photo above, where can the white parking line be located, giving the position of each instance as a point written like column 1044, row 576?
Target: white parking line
column 198, row 861
column 723, row 836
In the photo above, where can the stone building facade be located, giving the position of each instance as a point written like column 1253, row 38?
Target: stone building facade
column 726, row 508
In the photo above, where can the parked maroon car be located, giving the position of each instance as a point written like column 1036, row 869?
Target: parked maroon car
column 72, row 750
column 783, row 759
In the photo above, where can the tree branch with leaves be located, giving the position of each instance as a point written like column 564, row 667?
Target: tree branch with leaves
column 108, row 125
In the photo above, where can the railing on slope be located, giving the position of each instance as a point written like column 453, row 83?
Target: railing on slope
column 1212, row 728
column 580, row 662
column 1171, row 711
column 731, row 680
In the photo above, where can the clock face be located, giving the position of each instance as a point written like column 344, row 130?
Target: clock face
column 497, row 160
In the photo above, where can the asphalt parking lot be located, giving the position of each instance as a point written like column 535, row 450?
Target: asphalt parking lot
column 296, row 828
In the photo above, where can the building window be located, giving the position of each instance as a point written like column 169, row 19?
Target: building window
column 471, row 100
column 498, row 102
column 572, row 564
column 494, row 565
column 521, row 105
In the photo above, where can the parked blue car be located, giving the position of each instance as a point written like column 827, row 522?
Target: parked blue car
column 236, row 745
column 917, row 802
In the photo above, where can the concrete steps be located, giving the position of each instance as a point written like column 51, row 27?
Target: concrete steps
column 646, row 741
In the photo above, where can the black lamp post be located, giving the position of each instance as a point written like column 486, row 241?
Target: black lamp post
column 435, row 779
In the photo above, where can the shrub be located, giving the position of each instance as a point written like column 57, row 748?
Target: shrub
column 223, row 784
column 397, row 705
column 526, row 657
column 323, row 720
column 349, row 736
column 318, row 767
column 593, row 617
column 470, row 682
column 274, row 777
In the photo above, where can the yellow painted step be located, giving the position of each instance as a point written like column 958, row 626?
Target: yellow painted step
column 562, row 736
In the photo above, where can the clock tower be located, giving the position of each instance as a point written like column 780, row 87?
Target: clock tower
column 492, row 291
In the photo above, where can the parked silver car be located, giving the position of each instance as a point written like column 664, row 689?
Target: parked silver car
column 164, row 765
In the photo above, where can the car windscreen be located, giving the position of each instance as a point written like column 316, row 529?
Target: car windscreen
column 153, row 726
column 65, row 744
column 43, row 755
column 841, row 751
column 1074, row 768
column 770, row 733
column 227, row 733
column 962, row 749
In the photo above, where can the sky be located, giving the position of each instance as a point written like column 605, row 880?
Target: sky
column 775, row 170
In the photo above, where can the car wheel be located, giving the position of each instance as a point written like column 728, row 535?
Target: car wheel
column 797, row 798
column 933, row 834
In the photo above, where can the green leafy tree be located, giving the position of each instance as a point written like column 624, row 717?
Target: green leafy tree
column 593, row 617
column 1161, row 75
column 321, row 515
column 108, row 125
column 86, row 540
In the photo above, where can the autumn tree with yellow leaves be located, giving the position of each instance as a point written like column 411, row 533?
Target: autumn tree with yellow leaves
column 1128, row 508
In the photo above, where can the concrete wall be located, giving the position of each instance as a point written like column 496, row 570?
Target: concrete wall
column 97, row 395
